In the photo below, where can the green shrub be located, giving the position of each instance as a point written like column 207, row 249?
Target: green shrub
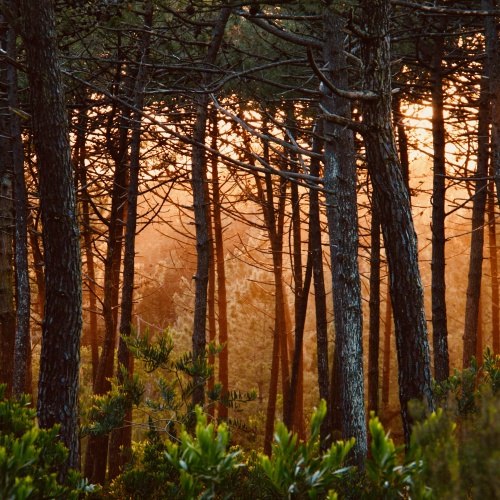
column 29, row 456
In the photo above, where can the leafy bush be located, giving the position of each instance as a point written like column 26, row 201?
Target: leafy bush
column 29, row 456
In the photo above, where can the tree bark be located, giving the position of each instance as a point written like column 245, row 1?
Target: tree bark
column 22, row 381
column 198, row 165
column 7, row 309
column 340, row 178
column 374, row 335
column 438, row 265
column 221, row 274
column 320, row 302
column 392, row 199
column 119, row 437
column 386, row 381
column 477, row 238
column 62, row 324
column 492, row 241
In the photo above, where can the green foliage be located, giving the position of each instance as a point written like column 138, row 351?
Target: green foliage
column 181, row 377
column 387, row 479
column 296, row 470
column 29, row 456
column 202, row 460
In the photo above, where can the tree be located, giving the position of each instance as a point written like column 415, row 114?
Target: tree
column 62, row 324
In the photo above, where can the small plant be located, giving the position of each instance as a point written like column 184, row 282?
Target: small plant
column 174, row 407
column 297, row 470
column 29, row 456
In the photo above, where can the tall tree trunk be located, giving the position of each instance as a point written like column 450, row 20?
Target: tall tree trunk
column 7, row 309
column 121, row 437
column 62, row 324
column 320, row 302
column 22, row 379
column 198, row 165
column 479, row 343
column 340, row 178
column 374, row 336
column 492, row 241
column 294, row 416
column 386, row 381
column 37, row 264
column 392, row 199
column 221, row 273
column 438, row 265
column 492, row 48
column 477, row 238
column 96, row 453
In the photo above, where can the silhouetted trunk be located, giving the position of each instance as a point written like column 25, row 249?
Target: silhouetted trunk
column 22, row 364
column 198, row 165
column 439, row 319
column 391, row 197
column 96, row 453
column 221, row 273
column 374, row 336
column 340, row 178
column 274, row 223
column 90, row 267
column 7, row 309
column 122, row 437
column 320, row 301
column 37, row 264
column 386, row 381
column 62, row 324
column 479, row 343
column 492, row 241
column 471, row 335
column 402, row 143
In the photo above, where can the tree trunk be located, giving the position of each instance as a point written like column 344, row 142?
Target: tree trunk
column 320, row 301
column 120, row 437
column 438, row 265
column 374, row 336
column 96, row 453
column 392, row 199
column 386, row 382
column 198, row 165
column 340, row 178
column 477, row 238
column 492, row 240
column 294, row 417
column 221, row 274
column 37, row 264
column 22, row 380
column 7, row 309
column 62, row 324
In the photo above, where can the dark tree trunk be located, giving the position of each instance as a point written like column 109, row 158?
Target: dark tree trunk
column 221, row 273
column 96, row 453
column 479, row 343
column 120, row 437
column 374, row 336
column 492, row 240
column 402, row 143
column 320, row 301
column 340, row 178
column 91, row 282
column 7, row 309
column 392, row 200
column 22, row 380
column 62, row 324
column 198, row 165
column 386, row 381
column 438, row 265
column 477, row 238
column 37, row 264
